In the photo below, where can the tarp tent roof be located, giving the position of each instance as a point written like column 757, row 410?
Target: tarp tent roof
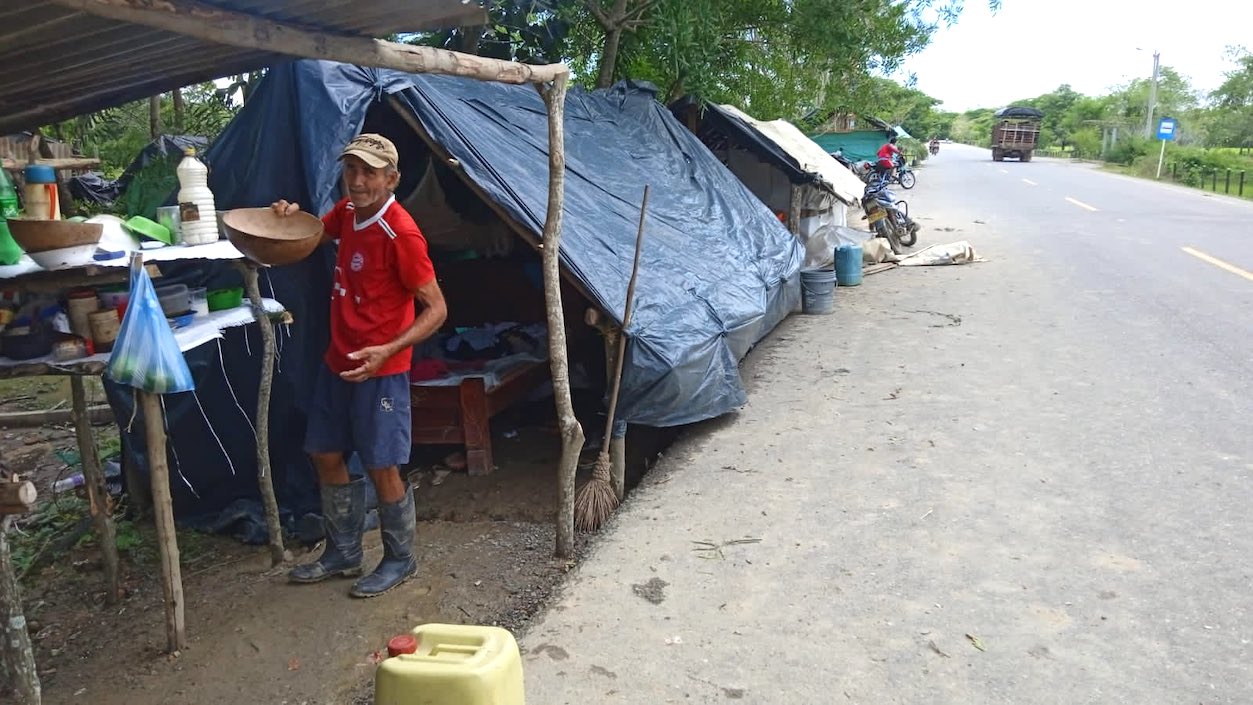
column 60, row 61
column 858, row 145
column 808, row 155
column 718, row 272
column 778, row 142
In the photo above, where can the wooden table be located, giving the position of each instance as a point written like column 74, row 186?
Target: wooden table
column 26, row 277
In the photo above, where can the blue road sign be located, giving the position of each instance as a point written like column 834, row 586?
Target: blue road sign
column 1166, row 128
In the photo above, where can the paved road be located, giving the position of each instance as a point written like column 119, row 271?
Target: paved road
column 1028, row 480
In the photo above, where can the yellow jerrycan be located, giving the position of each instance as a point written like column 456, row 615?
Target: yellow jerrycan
column 451, row 664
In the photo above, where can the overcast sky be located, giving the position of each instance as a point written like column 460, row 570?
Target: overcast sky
column 1031, row 47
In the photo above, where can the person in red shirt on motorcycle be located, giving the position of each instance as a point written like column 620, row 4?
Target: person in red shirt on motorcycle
column 888, row 154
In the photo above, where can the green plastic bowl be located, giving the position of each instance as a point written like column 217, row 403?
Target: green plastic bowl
column 144, row 228
column 223, row 299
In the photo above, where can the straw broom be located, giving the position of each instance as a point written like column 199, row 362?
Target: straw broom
column 596, row 499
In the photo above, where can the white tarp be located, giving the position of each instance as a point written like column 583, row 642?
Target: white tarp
column 808, row 154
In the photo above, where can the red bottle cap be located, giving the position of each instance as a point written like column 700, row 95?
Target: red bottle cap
column 402, row 644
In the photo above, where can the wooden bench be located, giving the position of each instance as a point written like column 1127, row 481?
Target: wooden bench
column 462, row 414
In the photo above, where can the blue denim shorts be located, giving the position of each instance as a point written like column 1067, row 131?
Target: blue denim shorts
column 370, row 418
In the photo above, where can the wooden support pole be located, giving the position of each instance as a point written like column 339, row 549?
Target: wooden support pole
column 163, row 514
column 138, row 494
column 98, row 499
column 617, row 456
column 265, row 478
column 571, row 432
column 211, row 24
column 17, row 660
column 794, row 211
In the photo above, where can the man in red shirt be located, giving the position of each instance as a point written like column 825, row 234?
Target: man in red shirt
column 887, row 156
column 361, row 395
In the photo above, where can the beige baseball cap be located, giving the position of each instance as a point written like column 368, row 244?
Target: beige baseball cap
column 375, row 150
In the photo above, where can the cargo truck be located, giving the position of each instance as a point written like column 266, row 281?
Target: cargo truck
column 1016, row 133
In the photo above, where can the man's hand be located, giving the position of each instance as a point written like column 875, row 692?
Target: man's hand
column 371, row 359
column 284, row 208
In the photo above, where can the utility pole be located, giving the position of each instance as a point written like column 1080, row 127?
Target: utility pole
column 1148, row 120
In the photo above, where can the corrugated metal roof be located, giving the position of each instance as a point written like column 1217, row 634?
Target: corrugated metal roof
column 57, row 62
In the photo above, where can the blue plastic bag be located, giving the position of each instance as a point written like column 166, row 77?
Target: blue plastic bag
column 145, row 354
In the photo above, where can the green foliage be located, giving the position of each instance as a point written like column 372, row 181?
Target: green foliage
column 1086, row 142
column 1128, row 149
column 1194, row 166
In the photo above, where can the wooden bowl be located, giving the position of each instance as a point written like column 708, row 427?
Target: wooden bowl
column 272, row 239
column 44, row 235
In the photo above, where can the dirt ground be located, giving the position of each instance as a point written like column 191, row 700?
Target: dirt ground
column 485, row 546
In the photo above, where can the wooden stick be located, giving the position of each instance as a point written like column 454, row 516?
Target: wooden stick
column 97, row 493
column 163, row 514
column 210, row 24
column 618, row 476
column 102, row 413
column 17, row 660
column 265, row 478
column 571, row 432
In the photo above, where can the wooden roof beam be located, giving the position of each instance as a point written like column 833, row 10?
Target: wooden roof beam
column 210, row 24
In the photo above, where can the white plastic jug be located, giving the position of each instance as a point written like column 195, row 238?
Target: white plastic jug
column 196, row 209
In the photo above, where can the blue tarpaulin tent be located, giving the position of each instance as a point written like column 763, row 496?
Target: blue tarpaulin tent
column 718, row 272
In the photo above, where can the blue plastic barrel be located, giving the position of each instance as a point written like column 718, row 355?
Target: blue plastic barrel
column 817, row 290
column 848, row 264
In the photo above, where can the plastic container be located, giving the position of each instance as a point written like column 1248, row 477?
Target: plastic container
column 66, row 484
column 200, row 301
column 224, row 299
column 175, row 299
column 80, row 305
column 197, row 212
column 817, row 291
column 167, row 216
column 42, row 200
column 10, row 251
column 451, row 665
column 848, row 265
column 104, row 328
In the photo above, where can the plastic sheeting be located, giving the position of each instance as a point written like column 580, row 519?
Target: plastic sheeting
column 147, row 181
column 808, row 156
column 718, row 270
column 862, row 145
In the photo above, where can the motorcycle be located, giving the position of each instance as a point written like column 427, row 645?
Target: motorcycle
column 903, row 174
column 861, row 169
column 935, row 148
column 888, row 217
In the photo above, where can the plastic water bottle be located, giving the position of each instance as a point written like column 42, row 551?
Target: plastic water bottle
column 10, row 252
column 68, row 483
column 197, row 212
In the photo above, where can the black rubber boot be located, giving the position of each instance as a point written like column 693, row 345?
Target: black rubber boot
column 343, row 519
column 398, row 524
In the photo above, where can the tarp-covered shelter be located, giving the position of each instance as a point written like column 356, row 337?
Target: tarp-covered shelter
column 790, row 173
column 718, row 271
column 859, row 145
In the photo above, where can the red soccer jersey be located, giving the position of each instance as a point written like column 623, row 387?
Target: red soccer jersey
column 886, row 152
column 381, row 263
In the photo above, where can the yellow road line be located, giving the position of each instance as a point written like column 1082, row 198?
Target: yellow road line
column 1219, row 263
column 1029, row 182
column 1081, row 204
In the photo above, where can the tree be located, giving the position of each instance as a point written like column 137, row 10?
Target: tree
column 1231, row 116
